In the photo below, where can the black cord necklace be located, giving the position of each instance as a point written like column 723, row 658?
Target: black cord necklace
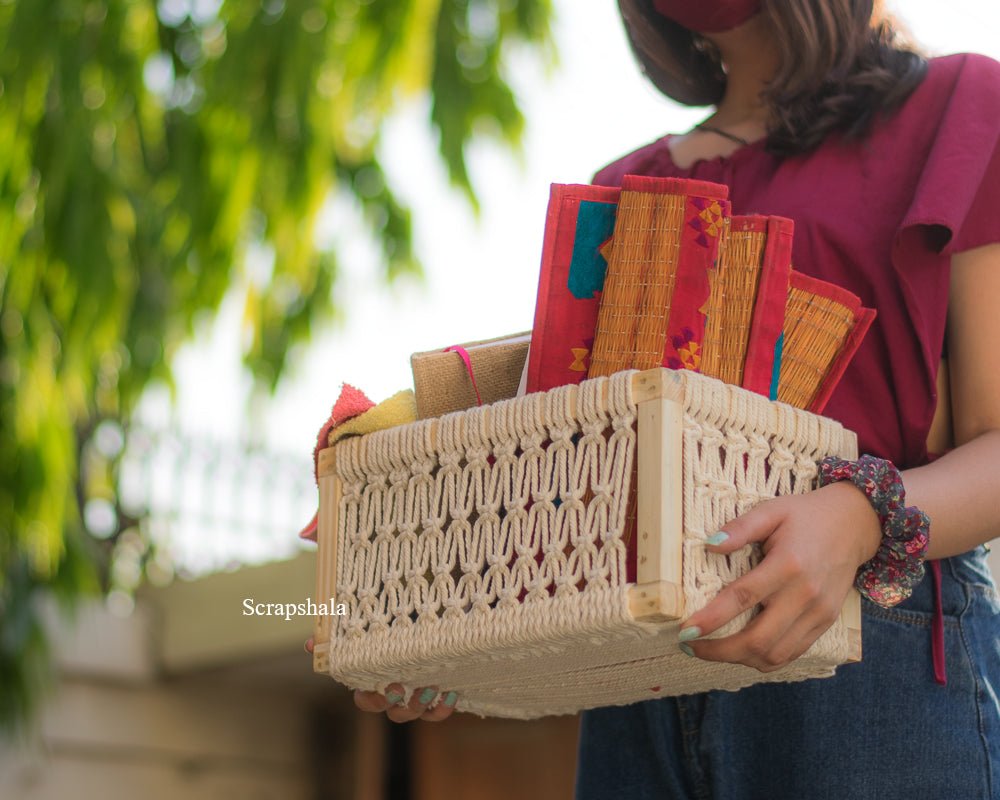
column 730, row 136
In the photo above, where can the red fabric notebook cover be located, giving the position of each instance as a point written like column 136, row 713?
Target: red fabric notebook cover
column 654, row 185
column 567, row 304
column 863, row 318
column 768, row 319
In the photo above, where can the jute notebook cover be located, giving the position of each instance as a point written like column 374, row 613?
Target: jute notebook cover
column 442, row 381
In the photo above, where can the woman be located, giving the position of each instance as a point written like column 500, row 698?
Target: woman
column 889, row 166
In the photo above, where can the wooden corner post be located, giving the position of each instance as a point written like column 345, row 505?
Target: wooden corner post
column 326, row 556
column 658, row 595
column 850, row 614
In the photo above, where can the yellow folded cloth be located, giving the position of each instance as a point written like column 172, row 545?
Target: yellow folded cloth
column 399, row 409
column 354, row 415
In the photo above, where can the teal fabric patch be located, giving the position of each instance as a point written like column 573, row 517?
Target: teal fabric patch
column 779, row 346
column 595, row 222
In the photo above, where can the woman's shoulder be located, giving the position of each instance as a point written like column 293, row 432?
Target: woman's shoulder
column 944, row 73
column 972, row 63
column 957, row 100
column 947, row 136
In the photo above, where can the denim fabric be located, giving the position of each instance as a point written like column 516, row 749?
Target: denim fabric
column 882, row 729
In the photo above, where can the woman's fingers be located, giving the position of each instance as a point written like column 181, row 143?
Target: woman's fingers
column 372, row 701
column 792, row 620
column 791, row 583
column 759, row 643
column 758, row 652
column 812, row 544
column 441, row 710
column 796, row 611
column 415, row 708
column 756, row 525
column 742, row 594
column 425, row 703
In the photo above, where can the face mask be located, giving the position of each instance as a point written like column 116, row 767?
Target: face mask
column 708, row 16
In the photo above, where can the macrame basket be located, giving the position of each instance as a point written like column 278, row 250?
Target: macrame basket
column 496, row 552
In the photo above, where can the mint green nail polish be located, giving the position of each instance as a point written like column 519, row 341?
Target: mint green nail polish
column 450, row 699
column 717, row 538
column 426, row 696
column 687, row 634
column 686, row 649
column 393, row 697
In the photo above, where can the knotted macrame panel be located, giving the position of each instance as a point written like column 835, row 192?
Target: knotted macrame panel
column 741, row 449
column 479, row 532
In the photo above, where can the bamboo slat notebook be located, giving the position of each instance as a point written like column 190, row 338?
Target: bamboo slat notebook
column 746, row 306
column 667, row 237
column 824, row 325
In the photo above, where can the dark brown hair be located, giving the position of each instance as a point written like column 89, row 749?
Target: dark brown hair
column 842, row 63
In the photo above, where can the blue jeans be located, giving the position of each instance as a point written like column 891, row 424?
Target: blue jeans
column 880, row 730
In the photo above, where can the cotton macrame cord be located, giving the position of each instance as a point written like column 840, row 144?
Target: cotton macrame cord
column 484, row 551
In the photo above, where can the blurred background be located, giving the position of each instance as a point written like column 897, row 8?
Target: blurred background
column 212, row 214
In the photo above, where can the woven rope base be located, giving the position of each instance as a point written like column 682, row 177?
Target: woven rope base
column 487, row 552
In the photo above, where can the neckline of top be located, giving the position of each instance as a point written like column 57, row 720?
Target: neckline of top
column 735, row 155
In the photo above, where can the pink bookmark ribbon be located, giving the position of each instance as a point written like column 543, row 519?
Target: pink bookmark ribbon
column 464, row 355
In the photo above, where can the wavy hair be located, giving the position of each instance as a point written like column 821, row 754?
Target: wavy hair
column 842, row 63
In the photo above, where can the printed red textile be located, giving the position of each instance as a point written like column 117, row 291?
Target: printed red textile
column 882, row 228
column 350, row 403
column 863, row 318
column 580, row 219
column 763, row 358
column 667, row 238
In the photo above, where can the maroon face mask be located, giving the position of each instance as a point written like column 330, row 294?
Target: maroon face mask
column 708, row 16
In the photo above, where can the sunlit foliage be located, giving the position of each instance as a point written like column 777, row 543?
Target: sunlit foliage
column 143, row 147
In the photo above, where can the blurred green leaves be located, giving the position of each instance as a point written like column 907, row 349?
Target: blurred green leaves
column 144, row 146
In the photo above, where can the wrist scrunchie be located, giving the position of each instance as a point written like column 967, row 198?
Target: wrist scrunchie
column 890, row 576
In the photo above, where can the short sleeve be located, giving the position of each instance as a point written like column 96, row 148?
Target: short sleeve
column 957, row 197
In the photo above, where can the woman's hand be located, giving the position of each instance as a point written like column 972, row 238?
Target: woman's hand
column 422, row 703
column 813, row 545
column 426, row 703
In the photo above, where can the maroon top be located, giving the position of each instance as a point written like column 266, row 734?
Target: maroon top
column 881, row 218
